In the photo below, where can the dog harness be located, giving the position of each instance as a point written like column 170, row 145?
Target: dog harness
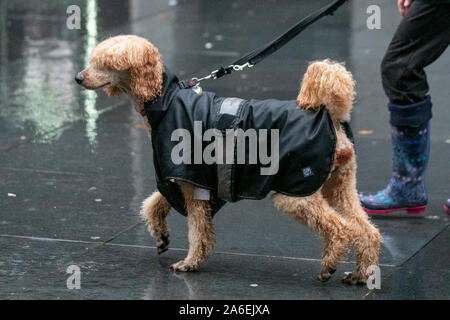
column 305, row 142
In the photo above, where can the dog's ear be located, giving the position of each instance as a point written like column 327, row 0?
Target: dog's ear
column 146, row 81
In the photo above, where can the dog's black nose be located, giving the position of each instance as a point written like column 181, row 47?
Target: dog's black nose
column 79, row 78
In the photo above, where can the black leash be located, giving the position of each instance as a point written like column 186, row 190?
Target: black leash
column 260, row 54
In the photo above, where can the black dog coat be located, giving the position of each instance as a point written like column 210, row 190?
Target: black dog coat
column 306, row 147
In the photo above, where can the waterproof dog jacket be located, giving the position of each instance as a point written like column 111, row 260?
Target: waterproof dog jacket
column 306, row 145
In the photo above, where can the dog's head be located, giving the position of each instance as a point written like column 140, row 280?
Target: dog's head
column 124, row 64
column 328, row 83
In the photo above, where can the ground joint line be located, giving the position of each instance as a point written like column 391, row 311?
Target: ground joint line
column 175, row 249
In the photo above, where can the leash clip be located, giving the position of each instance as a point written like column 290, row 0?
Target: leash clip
column 212, row 75
column 216, row 74
column 242, row 66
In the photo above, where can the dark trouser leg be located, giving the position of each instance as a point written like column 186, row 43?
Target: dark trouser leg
column 422, row 36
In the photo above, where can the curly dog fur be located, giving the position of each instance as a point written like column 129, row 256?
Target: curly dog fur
column 132, row 65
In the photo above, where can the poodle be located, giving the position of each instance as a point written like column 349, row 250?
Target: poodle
column 132, row 65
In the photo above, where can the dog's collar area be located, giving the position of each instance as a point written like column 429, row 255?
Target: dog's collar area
column 155, row 110
column 187, row 84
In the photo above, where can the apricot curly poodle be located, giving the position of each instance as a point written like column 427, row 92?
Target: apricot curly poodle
column 132, row 65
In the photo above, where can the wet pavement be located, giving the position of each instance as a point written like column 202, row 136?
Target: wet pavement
column 75, row 165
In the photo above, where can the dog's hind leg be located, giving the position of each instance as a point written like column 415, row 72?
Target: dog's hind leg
column 315, row 212
column 340, row 192
column 201, row 230
column 154, row 212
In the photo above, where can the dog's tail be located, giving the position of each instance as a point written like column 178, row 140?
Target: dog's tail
column 328, row 83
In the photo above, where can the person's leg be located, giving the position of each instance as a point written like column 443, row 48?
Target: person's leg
column 422, row 36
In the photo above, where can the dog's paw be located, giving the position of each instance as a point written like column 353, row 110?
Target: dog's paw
column 183, row 266
column 162, row 244
column 325, row 274
column 354, row 279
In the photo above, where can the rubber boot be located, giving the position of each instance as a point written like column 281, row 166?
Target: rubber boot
column 411, row 146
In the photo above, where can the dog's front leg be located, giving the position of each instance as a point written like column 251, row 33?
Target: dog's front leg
column 201, row 231
column 154, row 212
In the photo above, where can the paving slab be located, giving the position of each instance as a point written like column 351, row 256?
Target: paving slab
column 38, row 270
column 424, row 276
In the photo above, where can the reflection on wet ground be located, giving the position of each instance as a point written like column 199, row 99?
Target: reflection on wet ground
column 75, row 165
